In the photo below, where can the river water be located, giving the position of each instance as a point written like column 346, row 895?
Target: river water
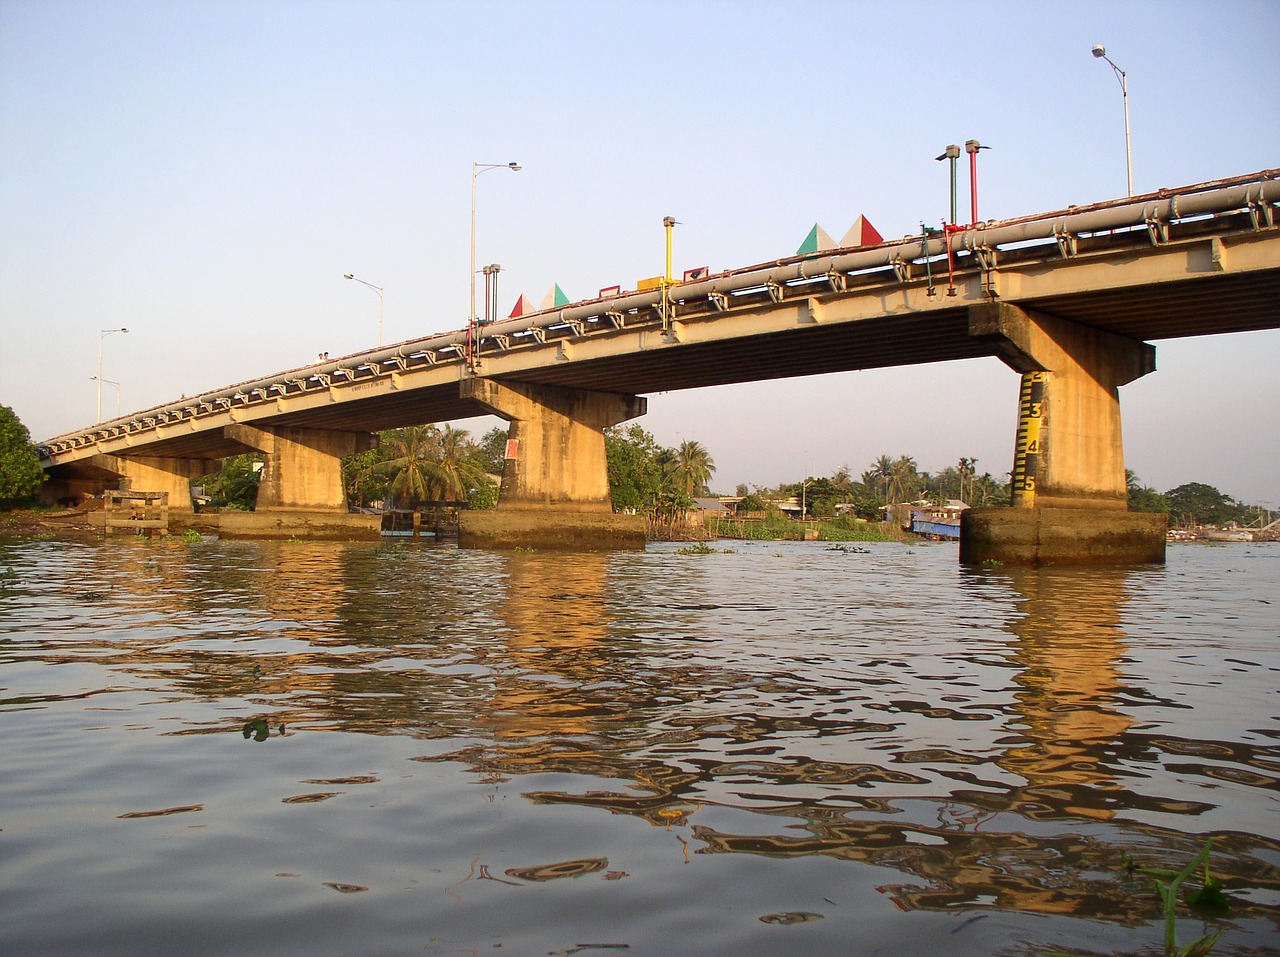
column 232, row 749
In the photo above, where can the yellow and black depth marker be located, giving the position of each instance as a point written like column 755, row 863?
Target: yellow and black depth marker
column 1026, row 457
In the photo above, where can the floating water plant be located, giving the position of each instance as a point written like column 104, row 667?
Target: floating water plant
column 1209, row 900
column 1210, row 894
column 698, row 548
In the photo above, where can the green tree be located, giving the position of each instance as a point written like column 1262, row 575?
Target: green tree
column 880, row 474
column 484, row 495
column 904, row 481
column 691, row 468
column 491, row 450
column 428, row 464
column 633, row 475
column 966, row 470
column 235, row 484
column 458, row 469
column 363, row 481
column 410, row 453
column 1143, row 498
column 1198, row 504
column 20, row 471
column 985, row 491
column 818, row 495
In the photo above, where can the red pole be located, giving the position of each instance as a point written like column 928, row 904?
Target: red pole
column 971, row 147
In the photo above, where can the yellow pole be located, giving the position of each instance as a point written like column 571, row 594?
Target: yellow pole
column 669, row 223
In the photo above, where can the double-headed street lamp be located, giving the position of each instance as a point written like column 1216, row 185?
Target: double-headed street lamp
column 1100, row 52
column 102, row 334
column 378, row 290
column 476, row 170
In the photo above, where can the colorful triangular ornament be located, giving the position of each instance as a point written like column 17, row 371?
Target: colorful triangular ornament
column 817, row 241
column 555, row 298
column 523, row 307
column 861, row 233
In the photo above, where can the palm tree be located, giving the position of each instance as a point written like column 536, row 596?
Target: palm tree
column 412, row 453
column 902, row 477
column 967, row 471
column 456, row 469
column 882, row 469
column 692, row 468
column 429, row 464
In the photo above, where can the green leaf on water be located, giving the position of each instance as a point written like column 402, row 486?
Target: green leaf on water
column 1210, row 898
column 257, row 728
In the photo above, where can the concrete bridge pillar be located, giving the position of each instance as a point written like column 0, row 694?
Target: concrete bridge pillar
column 555, row 481
column 1069, row 489
column 143, row 473
column 300, row 493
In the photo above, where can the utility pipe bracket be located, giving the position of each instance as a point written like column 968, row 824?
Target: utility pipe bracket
column 1260, row 211
column 1157, row 229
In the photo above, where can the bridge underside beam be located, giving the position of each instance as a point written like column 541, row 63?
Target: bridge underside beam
column 555, row 481
column 1070, row 494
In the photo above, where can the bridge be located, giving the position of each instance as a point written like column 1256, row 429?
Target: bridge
column 1070, row 299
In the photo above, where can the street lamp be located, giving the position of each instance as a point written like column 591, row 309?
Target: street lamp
column 102, row 334
column 971, row 147
column 378, row 290
column 109, row 382
column 951, row 153
column 476, row 170
column 1100, row 52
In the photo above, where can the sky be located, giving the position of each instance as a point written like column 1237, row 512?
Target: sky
column 205, row 173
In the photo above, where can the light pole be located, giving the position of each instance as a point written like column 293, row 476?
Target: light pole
column 110, row 382
column 378, row 290
column 971, row 147
column 951, row 153
column 476, row 170
column 1100, row 52
column 102, row 334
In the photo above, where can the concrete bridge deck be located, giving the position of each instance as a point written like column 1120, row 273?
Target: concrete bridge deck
column 1155, row 267
column 1199, row 260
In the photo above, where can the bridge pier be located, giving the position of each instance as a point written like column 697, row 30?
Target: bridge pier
column 555, row 480
column 300, row 492
column 144, row 473
column 1069, row 503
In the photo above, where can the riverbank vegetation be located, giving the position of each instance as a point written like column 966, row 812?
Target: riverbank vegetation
column 427, row 464
column 20, row 473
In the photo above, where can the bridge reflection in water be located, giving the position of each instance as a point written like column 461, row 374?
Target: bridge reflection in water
column 985, row 735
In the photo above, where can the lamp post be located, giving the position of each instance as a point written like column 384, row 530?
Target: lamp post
column 476, row 170
column 109, row 382
column 102, row 334
column 1100, row 52
column 951, row 153
column 971, row 147
column 378, row 290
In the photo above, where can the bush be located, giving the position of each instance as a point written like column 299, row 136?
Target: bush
column 20, row 472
